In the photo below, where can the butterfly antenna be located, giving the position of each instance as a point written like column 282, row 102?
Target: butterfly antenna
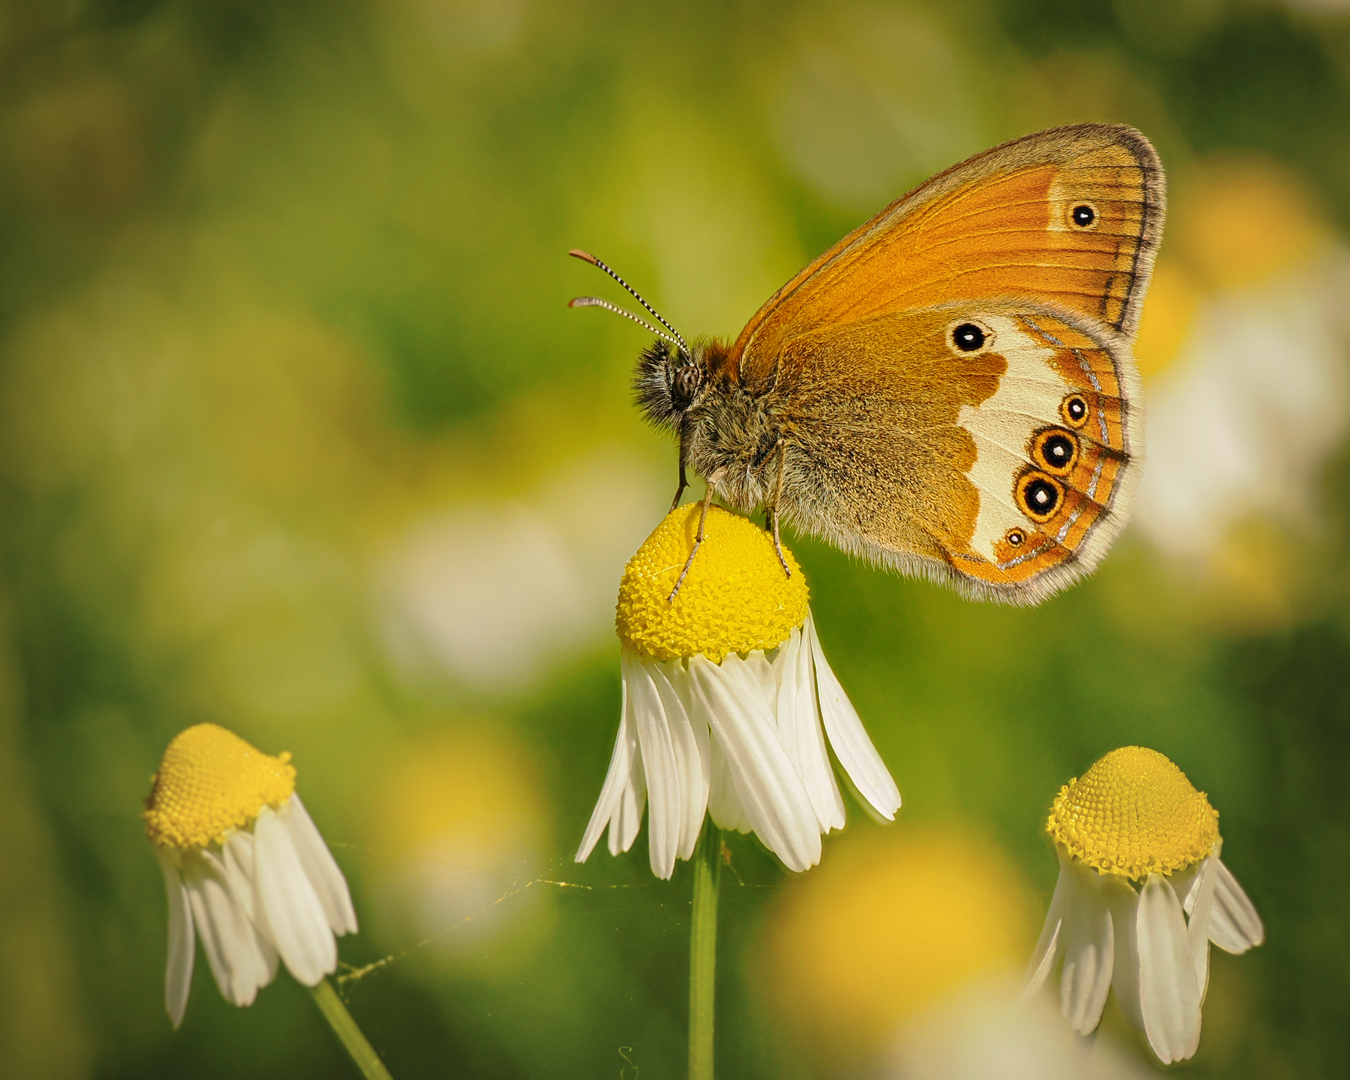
column 586, row 256
column 595, row 301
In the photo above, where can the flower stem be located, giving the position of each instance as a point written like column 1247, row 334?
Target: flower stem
column 344, row 1027
column 703, row 952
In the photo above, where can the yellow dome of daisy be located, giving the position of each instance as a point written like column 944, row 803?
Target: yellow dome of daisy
column 736, row 597
column 209, row 782
column 1134, row 813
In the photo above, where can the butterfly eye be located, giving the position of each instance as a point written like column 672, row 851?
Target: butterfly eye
column 968, row 337
column 686, row 383
column 1055, row 450
column 1074, row 410
column 1083, row 216
column 1038, row 495
column 1016, row 538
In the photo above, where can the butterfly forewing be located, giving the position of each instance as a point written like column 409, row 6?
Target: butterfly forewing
column 1070, row 217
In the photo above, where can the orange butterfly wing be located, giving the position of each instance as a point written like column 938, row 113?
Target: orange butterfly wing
column 1051, row 238
column 998, row 225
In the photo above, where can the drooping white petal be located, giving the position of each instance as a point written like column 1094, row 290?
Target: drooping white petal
column 237, row 855
column 1125, row 970
column 1169, row 999
column 1088, row 940
column 692, row 758
column 621, row 798
column 658, row 762
column 228, row 937
column 799, row 729
column 286, row 907
column 847, row 736
column 1234, row 925
column 182, row 946
column 627, row 818
column 1184, row 883
column 320, row 867
column 771, row 792
column 1201, row 897
column 724, row 802
column 758, row 662
column 1047, row 945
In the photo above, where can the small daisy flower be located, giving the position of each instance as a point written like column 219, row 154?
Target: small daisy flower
column 1141, row 895
column 727, row 703
column 244, row 864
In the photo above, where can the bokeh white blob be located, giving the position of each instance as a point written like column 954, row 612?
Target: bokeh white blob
column 983, row 1032
column 1256, row 401
column 495, row 594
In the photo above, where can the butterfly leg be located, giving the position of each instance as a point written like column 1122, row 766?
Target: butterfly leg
column 713, row 481
column 773, row 509
column 684, row 483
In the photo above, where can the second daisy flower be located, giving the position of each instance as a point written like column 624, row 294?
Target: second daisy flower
column 727, row 703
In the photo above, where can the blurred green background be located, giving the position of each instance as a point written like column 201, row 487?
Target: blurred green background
column 298, row 436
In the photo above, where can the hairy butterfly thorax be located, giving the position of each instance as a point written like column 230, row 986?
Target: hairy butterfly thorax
column 724, row 427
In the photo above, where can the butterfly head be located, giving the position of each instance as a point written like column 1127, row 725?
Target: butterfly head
column 668, row 382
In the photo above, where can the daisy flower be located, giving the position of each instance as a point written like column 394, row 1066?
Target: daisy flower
column 727, row 703
column 1142, row 893
column 243, row 865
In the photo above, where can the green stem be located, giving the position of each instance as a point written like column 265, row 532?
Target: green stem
column 703, row 952
column 344, row 1027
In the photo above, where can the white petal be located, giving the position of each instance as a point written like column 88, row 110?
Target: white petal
column 1169, row 999
column 320, row 866
column 617, row 789
column 658, row 762
column 1088, row 940
column 627, row 819
column 229, row 938
column 798, row 715
column 692, row 758
column 1200, row 909
column 1125, row 969
column 238, row 858
column 1184, row 883
column 1234, row 925
column 1047, row 946
column 758, row 662
column 287, row 909
column 848, row 738
column 182, row 946
column 770, row 790
column 724, row 803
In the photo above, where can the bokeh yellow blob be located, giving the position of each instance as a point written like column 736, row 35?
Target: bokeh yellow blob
column 1168, row 315
column 885, row 927
column 1240, row 221
column 456, row 834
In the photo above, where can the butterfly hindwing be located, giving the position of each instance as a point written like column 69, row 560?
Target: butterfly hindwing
column 989, row 444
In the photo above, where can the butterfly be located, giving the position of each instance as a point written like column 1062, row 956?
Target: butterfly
column 950, row 389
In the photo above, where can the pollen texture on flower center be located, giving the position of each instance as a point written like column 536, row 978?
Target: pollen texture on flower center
column 209, row 782
column 1134, row 813
column 735, row 598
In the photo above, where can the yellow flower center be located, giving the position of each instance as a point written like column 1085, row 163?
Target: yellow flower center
column 735, row 598
column 209, row 782
column 1134, row 813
